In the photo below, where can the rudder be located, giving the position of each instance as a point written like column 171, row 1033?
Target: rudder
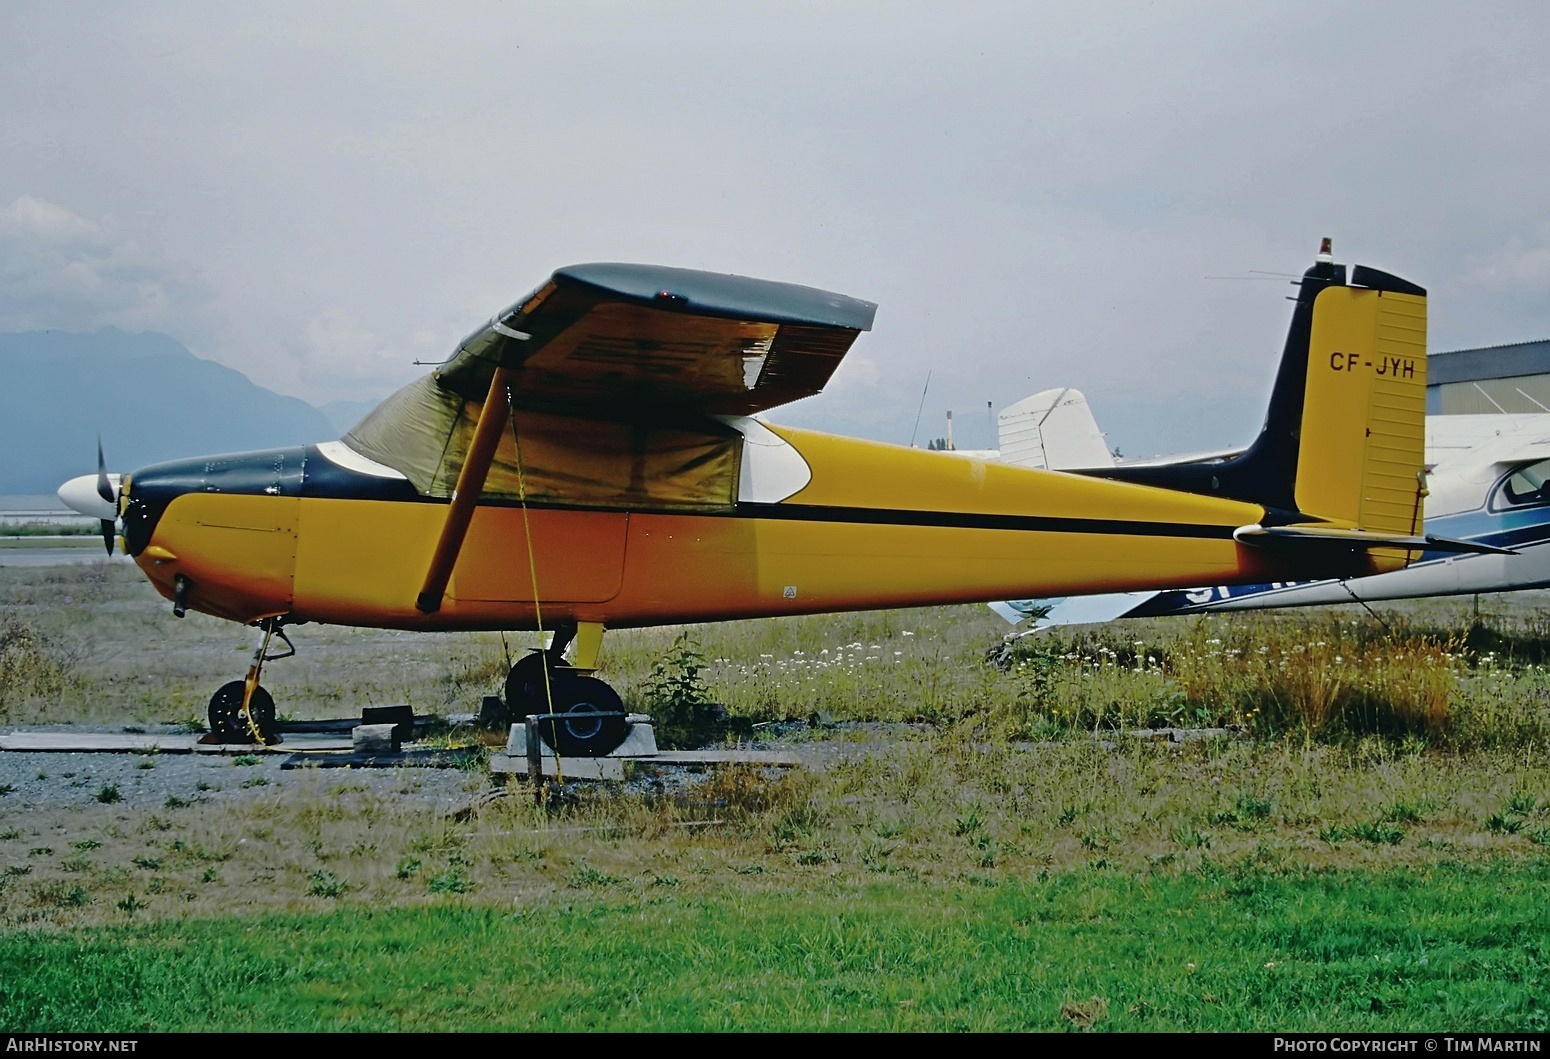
column 1361, row 445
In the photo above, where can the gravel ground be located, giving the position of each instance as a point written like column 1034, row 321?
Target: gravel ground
column 55, row 780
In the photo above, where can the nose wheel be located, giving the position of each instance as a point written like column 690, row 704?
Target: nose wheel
column 243, row 712
column 229, row 723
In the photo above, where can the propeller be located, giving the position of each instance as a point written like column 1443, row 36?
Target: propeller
column 95, row 495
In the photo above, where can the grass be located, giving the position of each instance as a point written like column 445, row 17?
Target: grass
column 1455, row 948
column 58, row 537
column 1431, row 672
column 936, row 808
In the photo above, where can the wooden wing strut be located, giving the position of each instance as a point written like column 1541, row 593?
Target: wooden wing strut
column 465, row 497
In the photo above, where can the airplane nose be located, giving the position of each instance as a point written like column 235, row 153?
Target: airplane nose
column 80, row 494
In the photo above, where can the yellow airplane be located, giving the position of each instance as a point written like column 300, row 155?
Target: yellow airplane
column 592, row 458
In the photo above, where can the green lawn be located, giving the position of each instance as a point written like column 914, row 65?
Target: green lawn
column 1450, row 948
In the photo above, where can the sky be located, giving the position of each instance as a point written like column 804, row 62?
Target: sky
column 1110, row 196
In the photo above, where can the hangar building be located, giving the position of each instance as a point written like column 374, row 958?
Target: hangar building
column 1510, row 378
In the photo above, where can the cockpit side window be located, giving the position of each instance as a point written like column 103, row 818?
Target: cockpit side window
column 1524, row 487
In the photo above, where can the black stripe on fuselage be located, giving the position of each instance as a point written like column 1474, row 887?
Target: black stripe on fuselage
column 869, row 516
column 873, row 516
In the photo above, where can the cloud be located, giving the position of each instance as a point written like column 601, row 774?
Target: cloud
column 1518, row 266
column 338, row 335
column 59, row 270
column 340, row 356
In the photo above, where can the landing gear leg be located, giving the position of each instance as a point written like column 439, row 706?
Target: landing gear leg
column 242, row 711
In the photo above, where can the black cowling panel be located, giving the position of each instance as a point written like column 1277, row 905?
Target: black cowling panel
column 301, row 471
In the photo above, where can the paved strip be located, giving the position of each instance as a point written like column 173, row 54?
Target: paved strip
column 98, row 742
column 146, row 743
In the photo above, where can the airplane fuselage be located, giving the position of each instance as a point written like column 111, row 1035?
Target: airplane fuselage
column 821, row 523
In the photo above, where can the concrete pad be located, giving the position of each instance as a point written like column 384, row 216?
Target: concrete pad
column 571, row 768
column 729, row 756
column 291, row 742
column 435, row 759
column 98, row 742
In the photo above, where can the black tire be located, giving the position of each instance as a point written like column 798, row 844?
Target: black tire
column 585, row 736
column 526, row 689
column 226, row 720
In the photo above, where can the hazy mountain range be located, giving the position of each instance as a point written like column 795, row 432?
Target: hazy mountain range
column 147, row 396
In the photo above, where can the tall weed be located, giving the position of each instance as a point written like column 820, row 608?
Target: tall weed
column 1318, row 677
column 32, row 666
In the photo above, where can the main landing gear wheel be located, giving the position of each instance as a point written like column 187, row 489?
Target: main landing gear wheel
column 226, row 719
column 526, row 689
column 585, row 736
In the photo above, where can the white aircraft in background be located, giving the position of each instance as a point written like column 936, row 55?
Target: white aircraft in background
column 1487, row 484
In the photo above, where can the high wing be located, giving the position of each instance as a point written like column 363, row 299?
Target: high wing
column 612, row 373
column 612, row 334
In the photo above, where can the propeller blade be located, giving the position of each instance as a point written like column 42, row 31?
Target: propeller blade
column 104, row 488
column 95, row 496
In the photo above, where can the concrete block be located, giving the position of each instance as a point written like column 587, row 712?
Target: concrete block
column 639, row 741
column 376, row 738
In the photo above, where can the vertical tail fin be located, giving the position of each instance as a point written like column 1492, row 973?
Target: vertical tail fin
column 1362, row 441
column 1344, row 439
column 1053, row 429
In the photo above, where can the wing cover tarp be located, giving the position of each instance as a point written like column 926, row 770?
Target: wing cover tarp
column 423, row 431
column 600, row 335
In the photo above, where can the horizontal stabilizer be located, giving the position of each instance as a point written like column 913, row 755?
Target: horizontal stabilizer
column 1071, row 610
column 1263, row 536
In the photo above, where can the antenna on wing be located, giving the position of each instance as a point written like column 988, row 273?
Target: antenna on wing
column 921, row 409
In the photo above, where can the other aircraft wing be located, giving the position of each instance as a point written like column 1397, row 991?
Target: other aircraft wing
column 1071, row 610
column 1054, row 429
